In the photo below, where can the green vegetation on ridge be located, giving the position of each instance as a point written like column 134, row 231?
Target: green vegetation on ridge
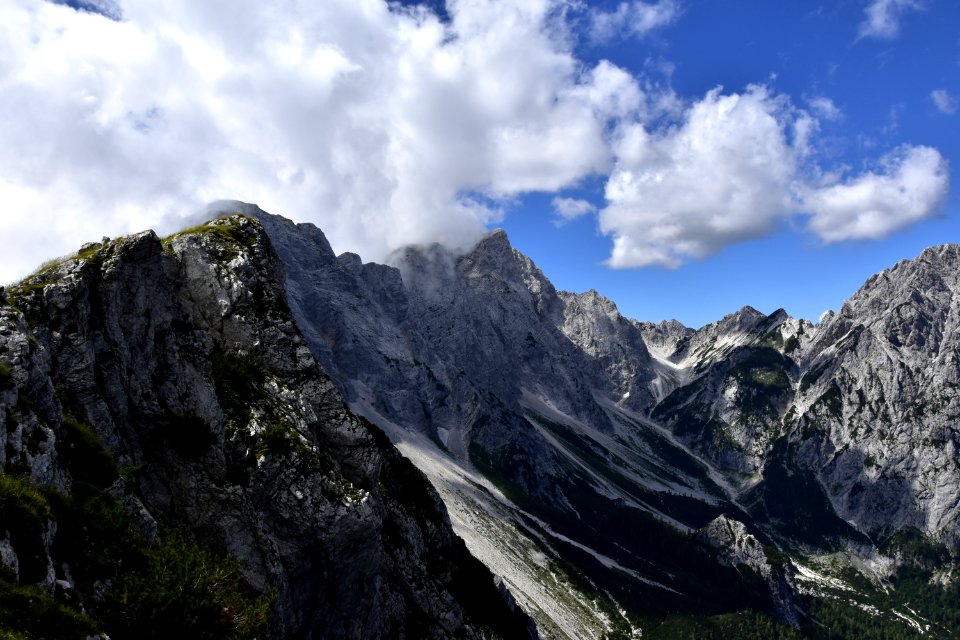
column 125, row 585
column 227, row 229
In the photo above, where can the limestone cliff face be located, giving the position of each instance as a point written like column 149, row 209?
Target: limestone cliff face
column 877, row 407
column 183, row 357
column 561, row 398
column 625, row 368
column 442, row 344
column 484, row 372
column 736, row 381
column 856, row 415
column 582, row 454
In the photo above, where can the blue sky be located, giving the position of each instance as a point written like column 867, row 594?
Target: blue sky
column 682, row 157
column 882, row 87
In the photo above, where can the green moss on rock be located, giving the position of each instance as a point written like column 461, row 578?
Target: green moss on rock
column 7, row 381
column 230, row 232
column 183, row 590
column 26, row 515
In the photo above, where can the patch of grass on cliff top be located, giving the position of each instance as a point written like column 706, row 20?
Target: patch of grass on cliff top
column 226, row 228
column 22, row 504
column 7, row 380
column 44, row 274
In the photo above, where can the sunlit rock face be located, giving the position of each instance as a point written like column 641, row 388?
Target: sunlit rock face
column 255, row 387
column 575, row 412
column 878, row 403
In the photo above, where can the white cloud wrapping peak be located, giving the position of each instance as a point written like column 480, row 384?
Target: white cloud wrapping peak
column 911, row 183
column 636, row 18
column 383, row 125
column 386, row 126
column 944, row 102
column 883, row 17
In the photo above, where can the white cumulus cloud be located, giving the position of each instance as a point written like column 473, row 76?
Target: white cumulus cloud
column 386, row 125
column 722, row 176
column 882, row 19
column 635, row 18
column 382, row 124
column 910, row 184
column 735, row 167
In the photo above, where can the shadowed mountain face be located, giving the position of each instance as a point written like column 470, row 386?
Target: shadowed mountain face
column 604, row 441
column 616, row 476
column 160, row 391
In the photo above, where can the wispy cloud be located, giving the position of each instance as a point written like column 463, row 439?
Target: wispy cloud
column 825, row 108
column 883, row 17
column 568, row 209
column 944, row 102
column 633, row 19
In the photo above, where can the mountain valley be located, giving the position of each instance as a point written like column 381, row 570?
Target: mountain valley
column 237, row 393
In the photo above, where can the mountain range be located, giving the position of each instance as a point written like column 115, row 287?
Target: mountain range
column 234, row 400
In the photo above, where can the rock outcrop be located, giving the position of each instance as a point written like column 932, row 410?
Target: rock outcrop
column 182, row 357
column 877, row 406
column 583, row 455
column 737, row 547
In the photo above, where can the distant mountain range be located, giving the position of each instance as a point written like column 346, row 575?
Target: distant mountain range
column 237, row 392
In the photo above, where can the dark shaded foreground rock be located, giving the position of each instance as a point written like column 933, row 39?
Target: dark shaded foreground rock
column 218, row 423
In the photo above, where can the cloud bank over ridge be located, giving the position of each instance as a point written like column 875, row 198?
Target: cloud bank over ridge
column 386, row 126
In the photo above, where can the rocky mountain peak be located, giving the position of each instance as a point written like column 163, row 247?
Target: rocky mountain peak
column 910, row 307
column 597, row 300
column 743, row 319
column 778, row 316
column 666, row 326
column 427, row 270
column 351, row 262
column 178, row 360
column 664, row 468
column 496, row 239
column 735, row 543
column 935, row 266
column 306, row 238
column 664, row 337
column 493, row 256
column 713, row 342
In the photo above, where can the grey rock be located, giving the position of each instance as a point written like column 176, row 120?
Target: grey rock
column 736, row 384
column 737, row 547
column 876, row 409
column 474, row 349
column 138, row 338
column 578, row 414
column 8, row 556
